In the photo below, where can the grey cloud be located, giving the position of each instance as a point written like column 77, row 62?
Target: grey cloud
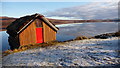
column 97, row 10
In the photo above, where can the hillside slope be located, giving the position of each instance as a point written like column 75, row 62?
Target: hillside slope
column 93, row 52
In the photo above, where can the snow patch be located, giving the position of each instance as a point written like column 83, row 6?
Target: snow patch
column 64, row 18
column 65, row 25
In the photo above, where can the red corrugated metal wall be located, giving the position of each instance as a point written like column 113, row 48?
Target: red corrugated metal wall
column 39, row 35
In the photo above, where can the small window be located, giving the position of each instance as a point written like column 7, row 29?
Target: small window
column 38, row 23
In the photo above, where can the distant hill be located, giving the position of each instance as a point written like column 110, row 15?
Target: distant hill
column 7, row 20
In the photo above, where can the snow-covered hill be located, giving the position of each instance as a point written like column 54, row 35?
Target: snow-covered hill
column 93, row 52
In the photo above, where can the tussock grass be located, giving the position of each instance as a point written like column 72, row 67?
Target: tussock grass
column 31, row 46
column 117, row 33
column 81, row 38
column 107, row 35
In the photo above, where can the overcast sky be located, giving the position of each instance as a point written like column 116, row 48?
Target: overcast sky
column 74, row 10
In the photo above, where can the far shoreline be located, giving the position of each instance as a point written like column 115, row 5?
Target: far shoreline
column 4, row 27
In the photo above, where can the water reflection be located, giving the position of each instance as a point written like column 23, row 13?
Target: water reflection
column 85, row 29
column 5, row 44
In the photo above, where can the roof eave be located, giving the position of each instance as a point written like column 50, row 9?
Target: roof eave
column 53, row 26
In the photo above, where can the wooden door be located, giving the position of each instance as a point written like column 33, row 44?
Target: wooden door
column 39, row 35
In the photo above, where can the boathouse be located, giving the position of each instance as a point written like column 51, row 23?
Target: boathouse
column 29, row 30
